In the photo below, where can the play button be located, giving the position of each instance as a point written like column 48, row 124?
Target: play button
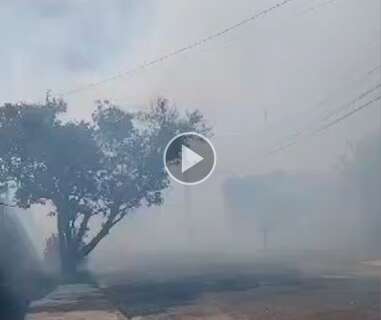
column 189, row 158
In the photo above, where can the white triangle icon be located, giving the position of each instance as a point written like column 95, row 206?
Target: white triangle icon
column 189, row 158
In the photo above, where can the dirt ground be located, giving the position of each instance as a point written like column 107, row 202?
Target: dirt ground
column 339, row 299
column 288, row 295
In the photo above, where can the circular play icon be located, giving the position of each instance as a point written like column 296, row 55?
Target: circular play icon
column 189, row 158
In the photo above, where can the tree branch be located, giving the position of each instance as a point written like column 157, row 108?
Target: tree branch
column 101, row 234
column 82, row 228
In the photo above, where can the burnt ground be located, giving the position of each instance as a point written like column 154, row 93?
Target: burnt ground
column 251, row 292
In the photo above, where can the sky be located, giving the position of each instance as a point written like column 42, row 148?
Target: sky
column 257, row 85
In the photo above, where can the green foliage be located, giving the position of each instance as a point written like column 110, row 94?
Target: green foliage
column 105, row 168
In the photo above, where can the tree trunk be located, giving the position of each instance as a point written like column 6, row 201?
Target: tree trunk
column 69, row 260
column 69, row 268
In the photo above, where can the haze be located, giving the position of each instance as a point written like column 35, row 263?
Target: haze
column 256, row 85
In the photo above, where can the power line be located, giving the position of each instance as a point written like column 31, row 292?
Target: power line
column 334, row 112
column 320, row 129
column 327, row 114
column 354, row 81
column 346, row 105
column 176, row 52
column 324, row 127
column 327, row 126
column 347, row 115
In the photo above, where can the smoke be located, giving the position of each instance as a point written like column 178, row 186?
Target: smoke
column 258, row 86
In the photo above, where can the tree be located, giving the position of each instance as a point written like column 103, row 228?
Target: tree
column 88, row 171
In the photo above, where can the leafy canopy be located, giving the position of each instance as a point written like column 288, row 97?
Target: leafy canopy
column 105, row 168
